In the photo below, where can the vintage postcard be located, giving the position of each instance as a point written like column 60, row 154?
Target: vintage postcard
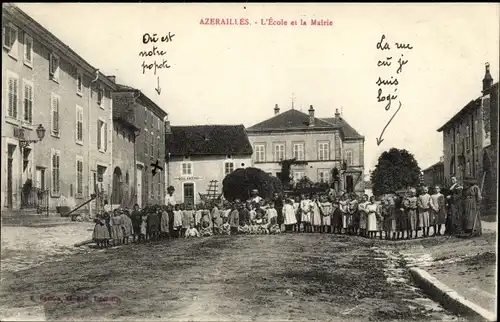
column 249, row 161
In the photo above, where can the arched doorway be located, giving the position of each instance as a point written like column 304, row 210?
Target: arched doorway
column 116, row 197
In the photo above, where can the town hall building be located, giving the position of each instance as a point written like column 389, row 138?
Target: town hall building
column 320, row 144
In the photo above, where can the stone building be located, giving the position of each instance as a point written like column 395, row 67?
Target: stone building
column 470, row 141
column 49, row 88
column 320, row 144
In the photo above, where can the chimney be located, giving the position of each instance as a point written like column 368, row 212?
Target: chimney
column 337, row 115
column 112, row 78
column 168, row 129
column 311, row 115
column 276, row 109
column 487, row 80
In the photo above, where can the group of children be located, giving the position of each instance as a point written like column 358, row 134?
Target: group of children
column 389, row 216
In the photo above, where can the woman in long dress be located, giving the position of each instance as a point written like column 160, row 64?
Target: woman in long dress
column 438, row 210
column 371, row 210
column 454, row 207
column 116, row 224
column 472, row 203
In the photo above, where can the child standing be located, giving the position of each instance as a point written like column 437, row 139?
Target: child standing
column 315, row 214
column 144, row 227
column 289, row 215
column 411, row 205
column 153, row 223
column 164, row 222
column 101, row 233
column 305, row 207
column 136, row 222
column 272, row 219
column 423, row 203
column 438, row 210
column 326, row 210
column 128, row 229
column 177, row 223
column 116, row 228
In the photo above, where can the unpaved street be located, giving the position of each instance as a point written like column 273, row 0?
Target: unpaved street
column 290, row 276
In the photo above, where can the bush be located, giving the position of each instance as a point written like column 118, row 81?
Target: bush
column 240, row 183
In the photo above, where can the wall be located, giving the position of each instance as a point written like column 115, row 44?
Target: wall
column 205, row 168
column 66, row 142
column 123, row 164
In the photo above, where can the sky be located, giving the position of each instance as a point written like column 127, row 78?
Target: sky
column 235, row 74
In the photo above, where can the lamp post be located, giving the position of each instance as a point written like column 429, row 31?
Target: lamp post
column 40, row 133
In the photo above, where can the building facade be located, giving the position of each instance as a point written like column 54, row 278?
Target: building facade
column 434, row 175
column 198, row 155
column 44, row 82
column 124, row 136
column 320, row 144
column 133, row 107
column 470, row 141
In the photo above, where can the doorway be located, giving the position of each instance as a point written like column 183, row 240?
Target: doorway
column 188, row 193
column 349, row 184
column 10, row 162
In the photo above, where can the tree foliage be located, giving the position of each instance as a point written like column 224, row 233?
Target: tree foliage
column 240, row 183
column 396, row 169
column 286, row 177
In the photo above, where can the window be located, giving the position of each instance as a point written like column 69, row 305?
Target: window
column 13, row 84
column 10, row 39
column 100, row 97
column 152, row 145
column 228, row 167
column 146, row 149
column 467, row 138
column 187, row 168
column 348, row 157
column 297, row 175
column 279, row 152
column 28, row 101
column 102, row 135
column 56, row 189
column 476, row 133
column 54, row 66
column 298, row 151
column 79, row 175
column 324, row 176
column 79, row 83
column 158, row 140
column 260, row 153
column 79, row 124
column 28, row 50
column 55, row 103
column 323, row 151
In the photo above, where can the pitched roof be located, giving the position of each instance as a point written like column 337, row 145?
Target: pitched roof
column 208, row 140
column 433, row 166
column 476, row 103
column 296, row 120
column 349, row 131
column 291, row 119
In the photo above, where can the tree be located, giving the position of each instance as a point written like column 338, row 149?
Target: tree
column 285, row 176
column 240, row 183
column 396, row 169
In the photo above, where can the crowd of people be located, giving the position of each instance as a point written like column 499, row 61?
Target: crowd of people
column 392, row 216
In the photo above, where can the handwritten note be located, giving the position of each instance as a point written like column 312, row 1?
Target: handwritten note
column 392, row 62
column 154, row 53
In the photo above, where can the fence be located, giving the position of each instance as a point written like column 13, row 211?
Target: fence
column 35, row 198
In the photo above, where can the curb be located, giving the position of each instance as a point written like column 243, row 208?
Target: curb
column 448, row 298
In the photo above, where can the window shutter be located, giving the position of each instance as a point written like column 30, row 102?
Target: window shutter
column 57, row 114
column 105, row 136
column 99, row 134
column 11, row 97
column 51, row 64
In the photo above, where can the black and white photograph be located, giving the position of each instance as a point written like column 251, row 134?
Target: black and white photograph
column 249, row 161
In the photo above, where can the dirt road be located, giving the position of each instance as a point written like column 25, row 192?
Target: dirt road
column 285, row 277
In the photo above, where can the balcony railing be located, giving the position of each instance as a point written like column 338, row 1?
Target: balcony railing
column 35, row 198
